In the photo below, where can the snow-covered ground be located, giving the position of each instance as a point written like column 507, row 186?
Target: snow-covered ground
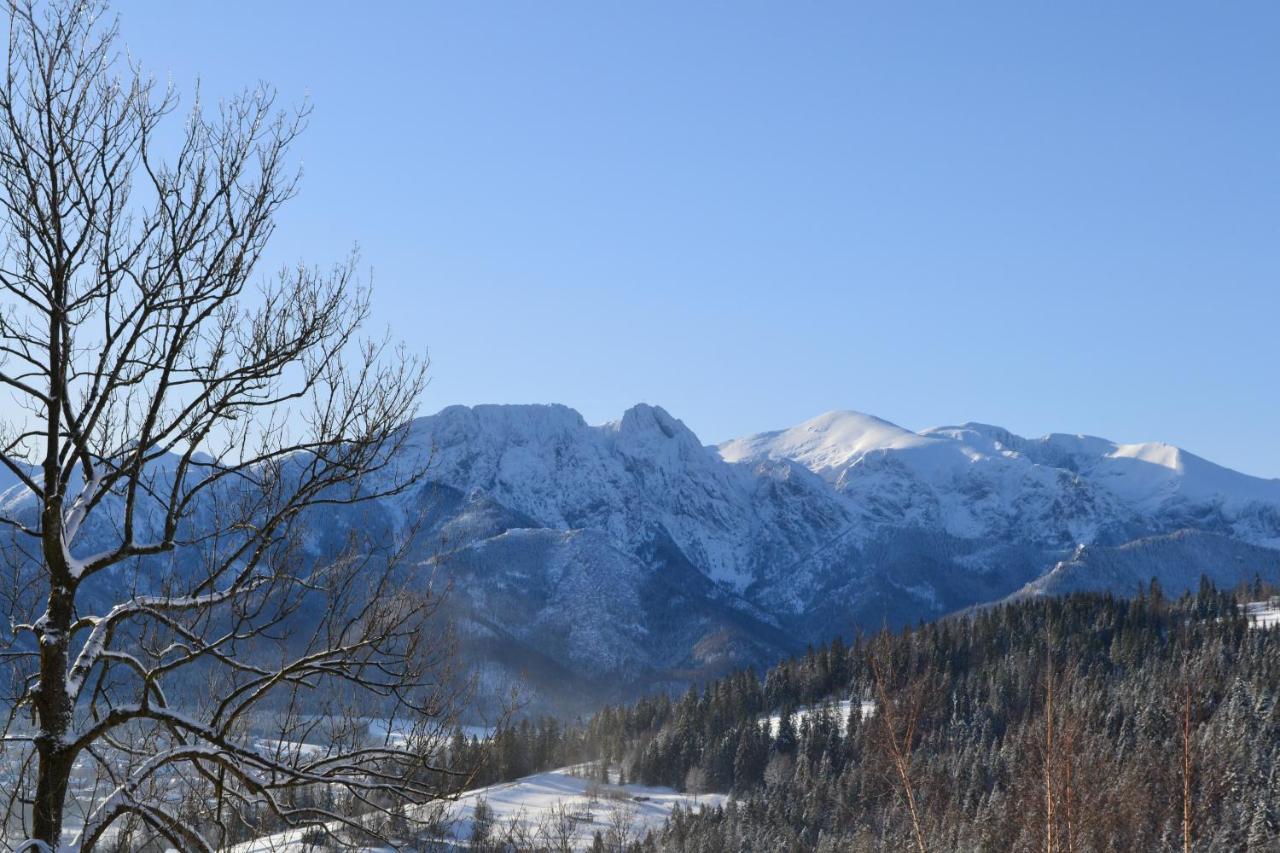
column 395, row 734
column 841, row 710
column 1263, row 614
column 536, row 802
column 379, row 732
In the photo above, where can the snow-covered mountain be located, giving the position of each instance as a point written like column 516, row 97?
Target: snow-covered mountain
column 977, row 480
column 626, row 551
column 630, row 553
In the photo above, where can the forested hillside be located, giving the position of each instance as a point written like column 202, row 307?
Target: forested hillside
column 1082, row 723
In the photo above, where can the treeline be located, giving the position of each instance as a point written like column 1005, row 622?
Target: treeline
column 1075, row 724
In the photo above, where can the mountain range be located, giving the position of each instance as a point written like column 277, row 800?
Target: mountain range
column 592, row 562
column 588, row 560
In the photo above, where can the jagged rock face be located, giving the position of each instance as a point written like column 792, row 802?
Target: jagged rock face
column 644, row 473
column 595, row 560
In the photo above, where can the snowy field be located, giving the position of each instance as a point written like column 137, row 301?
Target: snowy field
column 88, row 788
column 841, row 710
column 1263, row 614
column 543, row 803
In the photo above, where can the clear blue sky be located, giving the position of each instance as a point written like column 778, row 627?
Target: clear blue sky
column 1050, row 216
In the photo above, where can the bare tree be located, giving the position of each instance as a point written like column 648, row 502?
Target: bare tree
column 180, row 424
column 560, row 829
column 695, row 782
column 899, row 712
column 517, row 833
column 1049, row 747
column 622, row 825
column 1187, row 689
column 1060, row 803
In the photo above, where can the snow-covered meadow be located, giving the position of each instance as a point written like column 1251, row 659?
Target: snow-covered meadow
column 543, row 805
column 839, row 709
column 1263, row 614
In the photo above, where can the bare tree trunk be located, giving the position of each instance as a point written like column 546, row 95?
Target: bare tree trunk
column 52, row 701
column 1186, row 762
column 1069, row 794
column 1048, row 739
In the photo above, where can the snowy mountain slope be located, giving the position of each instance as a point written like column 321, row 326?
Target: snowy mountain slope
column 1178, row 560
column 939, row 480
column 831, row 443
column 1149, row 477
column 977, row 480
column 623, row 550
column 555, row 609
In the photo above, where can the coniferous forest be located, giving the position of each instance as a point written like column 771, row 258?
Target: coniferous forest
column 1085, row 723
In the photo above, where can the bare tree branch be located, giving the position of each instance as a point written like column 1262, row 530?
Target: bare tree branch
column 183, row 421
